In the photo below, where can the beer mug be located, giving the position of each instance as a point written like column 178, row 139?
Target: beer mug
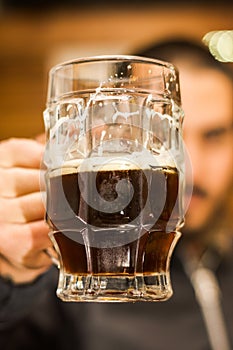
column 114, row 177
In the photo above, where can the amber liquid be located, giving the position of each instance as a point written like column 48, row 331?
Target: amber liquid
column 91, row 239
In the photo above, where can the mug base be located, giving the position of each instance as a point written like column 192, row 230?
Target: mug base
column 112, row 288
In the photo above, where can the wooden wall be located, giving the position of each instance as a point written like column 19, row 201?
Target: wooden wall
column 31, row 43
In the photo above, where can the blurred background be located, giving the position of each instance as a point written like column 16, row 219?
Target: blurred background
column 35, row 35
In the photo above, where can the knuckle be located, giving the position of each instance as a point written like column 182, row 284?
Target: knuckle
column 7, row 186
column 7, row 148
column 10, row 143
column 3, row 210
column 12, row 210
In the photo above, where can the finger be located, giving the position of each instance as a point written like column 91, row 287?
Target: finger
column 24, row 244
column 21, row 153
column 19, row 181
column 22, row 209
column 21, row 274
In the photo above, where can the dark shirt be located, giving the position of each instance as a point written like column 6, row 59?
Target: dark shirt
column 32, row 317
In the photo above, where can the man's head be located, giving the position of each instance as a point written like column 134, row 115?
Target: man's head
column 206, row 92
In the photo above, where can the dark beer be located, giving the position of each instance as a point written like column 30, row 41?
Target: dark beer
column 114, row 222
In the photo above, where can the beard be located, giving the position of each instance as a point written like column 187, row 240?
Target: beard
column 218, row 220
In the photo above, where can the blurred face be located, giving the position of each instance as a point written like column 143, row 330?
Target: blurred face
column 207, row 101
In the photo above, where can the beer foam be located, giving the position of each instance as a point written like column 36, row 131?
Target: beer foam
column 138, row 160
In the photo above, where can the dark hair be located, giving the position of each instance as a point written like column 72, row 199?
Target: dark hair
column 192, row 51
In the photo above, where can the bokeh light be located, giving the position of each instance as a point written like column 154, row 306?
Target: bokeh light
column 220, row 44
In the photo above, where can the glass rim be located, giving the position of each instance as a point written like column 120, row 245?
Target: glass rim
column 68, row 69
column 109, row 58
